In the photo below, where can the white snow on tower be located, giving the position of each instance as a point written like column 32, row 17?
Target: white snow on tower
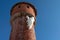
column 30, row 21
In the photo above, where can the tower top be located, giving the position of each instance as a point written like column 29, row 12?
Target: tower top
column 24, row 3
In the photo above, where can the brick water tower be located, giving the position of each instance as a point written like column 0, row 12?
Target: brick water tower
column 23, row 19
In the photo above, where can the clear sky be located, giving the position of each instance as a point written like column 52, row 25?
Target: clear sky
column 48, row 18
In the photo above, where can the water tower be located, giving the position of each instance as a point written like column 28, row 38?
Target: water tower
column 23, row 19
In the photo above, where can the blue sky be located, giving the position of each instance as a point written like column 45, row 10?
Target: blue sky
column 48, row 18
